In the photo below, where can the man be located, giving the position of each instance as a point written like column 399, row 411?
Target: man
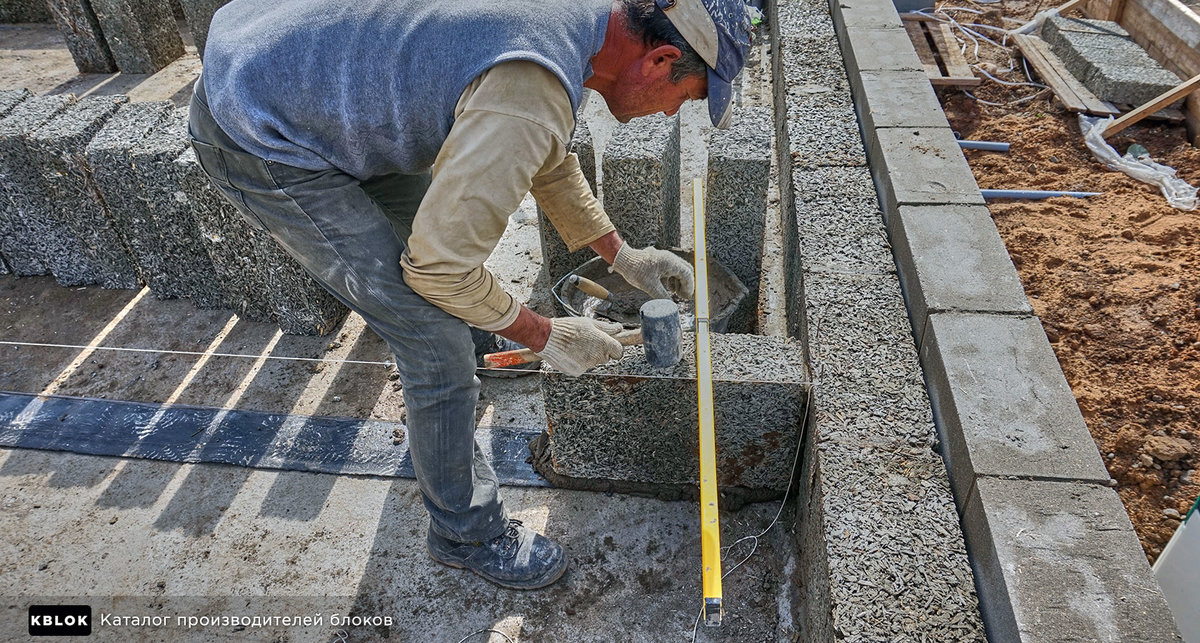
column 383, row 144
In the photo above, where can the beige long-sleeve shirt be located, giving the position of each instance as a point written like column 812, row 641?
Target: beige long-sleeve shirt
column 510, row 137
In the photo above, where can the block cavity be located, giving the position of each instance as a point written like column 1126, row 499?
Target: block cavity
column 20, row 231
column 627, row 421
column 641, row 181
column 739, row 173
column 78, row 24
column 80, row 244
column 142, row 34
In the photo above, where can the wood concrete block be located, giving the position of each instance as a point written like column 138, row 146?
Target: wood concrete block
column 1059, row 561
column 21, row 11
column 641, row 181
column 555, row 256
column 1003, row 403
column 198, row 14
column 77, row 22
column 141, row 34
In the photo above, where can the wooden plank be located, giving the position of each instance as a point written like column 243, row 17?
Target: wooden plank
column 1115, row 10
column 1029, row 26
column 1069, row 90
column 1164, row 99
column 917, row 35
column 1048, row 72
column 956, row 63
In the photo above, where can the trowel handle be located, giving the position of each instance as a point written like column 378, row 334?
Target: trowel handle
column 527, row 356
column 590, row 287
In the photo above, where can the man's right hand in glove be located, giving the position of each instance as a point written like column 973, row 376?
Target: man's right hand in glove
column 577, row 344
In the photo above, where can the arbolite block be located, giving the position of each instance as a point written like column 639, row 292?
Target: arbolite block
column 78, row 24
column 555, row 257
column 10, row 98
column 641, row 181
column 301, row 305
column 18, row 11
column 80, row 244
column 142, row 34
column 627, row 421
column 232, row 244
column 186, row 267
column 739, row 173
column 198, row 14
column 110, row 155
column 21, row 185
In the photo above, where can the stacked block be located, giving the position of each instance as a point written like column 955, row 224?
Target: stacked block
column 22, row 233
column 555, row 257
column 600, row 424
column 187, row 270
column 141, row 34
column 641, row 181
column 301, row 305
column 78, row 24
column 9, row 99
column 1103, row 56
column 80, row 244
column 110, row 156
column 739, row 173
column 232, row 245
column 17, row 11
column 198, row 14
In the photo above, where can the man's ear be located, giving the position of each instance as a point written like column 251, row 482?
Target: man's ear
column 658, row 61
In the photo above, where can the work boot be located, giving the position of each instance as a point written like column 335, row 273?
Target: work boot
column 500, row 344
column 518, row 559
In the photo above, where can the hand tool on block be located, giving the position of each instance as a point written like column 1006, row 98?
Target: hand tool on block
column 527, row 356
column 710, row 523
column 589, row 287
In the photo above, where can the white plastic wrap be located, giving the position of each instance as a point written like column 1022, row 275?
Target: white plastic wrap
column 1180, row 194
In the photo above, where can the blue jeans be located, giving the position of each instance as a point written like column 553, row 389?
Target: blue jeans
column 349, row 235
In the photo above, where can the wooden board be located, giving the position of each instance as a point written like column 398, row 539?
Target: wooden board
column 1053, row 73
column 939, row 52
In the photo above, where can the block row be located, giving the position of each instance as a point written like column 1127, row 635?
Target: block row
column 102, row 191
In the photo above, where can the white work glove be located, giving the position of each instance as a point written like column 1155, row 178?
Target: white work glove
column 579, row 343
column 656, row 272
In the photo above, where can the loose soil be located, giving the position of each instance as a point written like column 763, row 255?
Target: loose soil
column 1115, row 278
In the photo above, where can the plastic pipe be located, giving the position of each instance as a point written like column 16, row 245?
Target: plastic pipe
column 1032, row 194
column 990, row 146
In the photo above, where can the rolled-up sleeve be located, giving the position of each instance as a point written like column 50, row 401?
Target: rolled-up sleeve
column 502, row 138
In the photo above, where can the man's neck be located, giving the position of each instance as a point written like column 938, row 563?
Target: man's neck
column 619, row 50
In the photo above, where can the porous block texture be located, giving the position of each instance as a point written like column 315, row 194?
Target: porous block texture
column 1059, row 561
column 641, row 181
column 953, row 259
column 142, row 34
column 300, row 304
column 110, row 155
column 22, row 231
column 627, row 421
column 232, row 244
column 198, row 14
column 18, row 11
column 78, row 24
column 10, row 98
column 921, row 166
column 181, row 258
column 555, row 256
column 1107, row 60
column 81, row 244
column 739, row 173
column 812, row 71
column 1003, row 402
column 840, row 227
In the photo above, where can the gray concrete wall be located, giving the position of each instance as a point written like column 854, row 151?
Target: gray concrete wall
column 875, row 499
column 1054, row 555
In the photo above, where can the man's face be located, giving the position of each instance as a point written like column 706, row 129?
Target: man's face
column 645, row 87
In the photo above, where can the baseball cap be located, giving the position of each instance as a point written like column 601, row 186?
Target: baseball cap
column 719, row 30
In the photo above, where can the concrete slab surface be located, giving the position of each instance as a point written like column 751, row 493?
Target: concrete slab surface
column 898, row 98
column 1059, row 561
column 1003, row 402
column 210, row 540
column 919, row 166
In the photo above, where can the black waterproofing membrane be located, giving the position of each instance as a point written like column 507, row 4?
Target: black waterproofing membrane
column 242, row 438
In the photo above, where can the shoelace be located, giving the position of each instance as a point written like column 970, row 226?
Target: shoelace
column 508, row 540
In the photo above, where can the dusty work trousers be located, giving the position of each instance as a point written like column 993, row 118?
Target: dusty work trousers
column 349, row 235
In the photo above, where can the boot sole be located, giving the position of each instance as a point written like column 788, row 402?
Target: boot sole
column 538, row 584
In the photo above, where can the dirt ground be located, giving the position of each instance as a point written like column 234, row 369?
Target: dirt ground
column 1115, row 278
